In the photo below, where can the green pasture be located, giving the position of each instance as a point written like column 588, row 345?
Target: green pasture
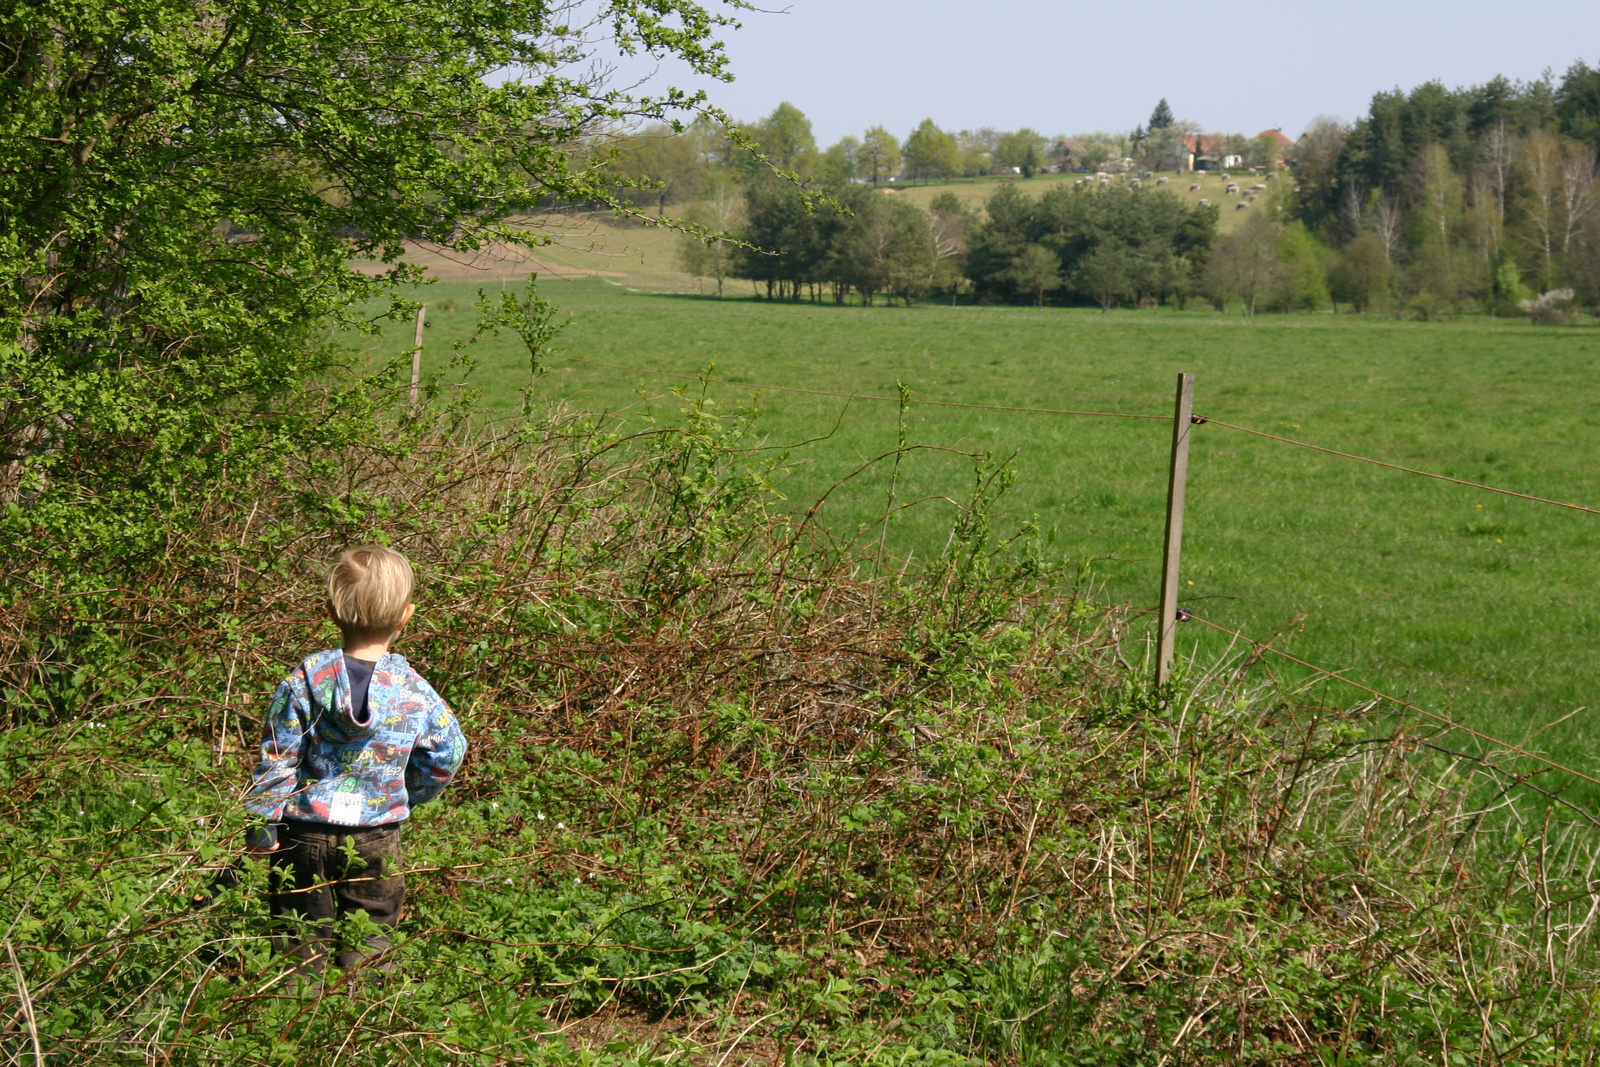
column 1467, row 601
column 975, row 192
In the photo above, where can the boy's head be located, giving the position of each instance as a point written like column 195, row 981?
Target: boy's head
column 369, row 590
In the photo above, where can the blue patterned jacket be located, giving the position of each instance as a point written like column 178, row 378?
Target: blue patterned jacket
column 320, row 764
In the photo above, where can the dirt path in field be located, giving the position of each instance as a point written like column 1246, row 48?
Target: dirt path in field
column 581, row 246
column 496, row 260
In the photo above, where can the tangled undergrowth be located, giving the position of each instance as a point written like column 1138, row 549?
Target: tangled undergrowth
column 737, row 794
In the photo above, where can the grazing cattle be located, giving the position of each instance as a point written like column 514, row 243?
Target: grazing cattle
column 1231, row 188
column 1194, row 187
column 1241, row 205
column 1134, row 183
column 1204, row 202
column 1258, row 185
column 1161, row 181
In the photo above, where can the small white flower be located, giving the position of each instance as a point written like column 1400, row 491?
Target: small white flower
column 495, row 805
column 508, row 881
column 541, row 816
column 577, row 881
column 593, row 876
column 561, row 826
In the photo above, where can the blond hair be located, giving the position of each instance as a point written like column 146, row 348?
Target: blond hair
column 369, row 587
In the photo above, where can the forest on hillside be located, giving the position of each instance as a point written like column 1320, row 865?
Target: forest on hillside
column 1436, row 201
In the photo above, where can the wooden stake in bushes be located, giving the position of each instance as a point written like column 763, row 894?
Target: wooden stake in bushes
column 416, row 355
column 1177, row 480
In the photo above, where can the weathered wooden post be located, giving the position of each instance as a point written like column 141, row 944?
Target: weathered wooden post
column 416, row 354
column 1177, row 479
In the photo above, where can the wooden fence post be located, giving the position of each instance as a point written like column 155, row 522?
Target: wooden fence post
column 416, row 355
column 1177, row 480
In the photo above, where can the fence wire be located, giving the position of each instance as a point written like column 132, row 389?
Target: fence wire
column 1199, row 420
column 867, row 396
column 1443, row 720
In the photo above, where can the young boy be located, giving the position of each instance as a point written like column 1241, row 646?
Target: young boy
column 354, row 739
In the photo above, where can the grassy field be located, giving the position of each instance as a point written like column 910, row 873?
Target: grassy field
column 1467, row 601
column 975, row 192
column 632, row 254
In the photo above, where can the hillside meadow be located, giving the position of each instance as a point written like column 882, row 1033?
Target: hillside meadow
column 975, row 192
column 1474, row 604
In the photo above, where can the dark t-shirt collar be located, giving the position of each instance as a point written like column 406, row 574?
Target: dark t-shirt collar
column 359, row 671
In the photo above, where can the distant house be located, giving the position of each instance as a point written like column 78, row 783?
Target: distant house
column 1281, row 145
column 1210, row 153
column 1213, row 153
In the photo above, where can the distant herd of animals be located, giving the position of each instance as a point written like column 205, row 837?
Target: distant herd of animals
column 1229, row 188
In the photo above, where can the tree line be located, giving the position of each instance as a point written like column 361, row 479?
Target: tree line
column 1436, row 201
column 1479, row 197
column 1081, row 243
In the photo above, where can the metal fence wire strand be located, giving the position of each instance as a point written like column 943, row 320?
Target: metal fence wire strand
column 1198, row 420
column 1444, row 720
column 865, row 396
column 1207, row 420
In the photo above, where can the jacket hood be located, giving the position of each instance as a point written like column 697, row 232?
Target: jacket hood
column 332, row 697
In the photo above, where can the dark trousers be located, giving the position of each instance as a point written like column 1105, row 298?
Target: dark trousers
column 322, row 872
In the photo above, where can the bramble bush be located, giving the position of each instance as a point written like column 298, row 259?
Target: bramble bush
column 736, row 792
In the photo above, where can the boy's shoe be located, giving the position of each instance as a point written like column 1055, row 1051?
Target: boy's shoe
column 374, row 957
column 369, row 968
column 310, row 957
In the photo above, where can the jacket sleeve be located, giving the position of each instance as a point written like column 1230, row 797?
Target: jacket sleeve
column 436, row 753
column 283, row 743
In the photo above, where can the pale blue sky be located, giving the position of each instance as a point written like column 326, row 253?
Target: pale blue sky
column 1072, row 67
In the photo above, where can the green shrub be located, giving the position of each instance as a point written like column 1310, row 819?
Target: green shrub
column 728, row 795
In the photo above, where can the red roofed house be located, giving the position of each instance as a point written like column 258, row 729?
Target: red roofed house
column 1280, row 143
column 1207, row 152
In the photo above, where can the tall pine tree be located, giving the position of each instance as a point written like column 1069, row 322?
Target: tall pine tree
column 1161, row 117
